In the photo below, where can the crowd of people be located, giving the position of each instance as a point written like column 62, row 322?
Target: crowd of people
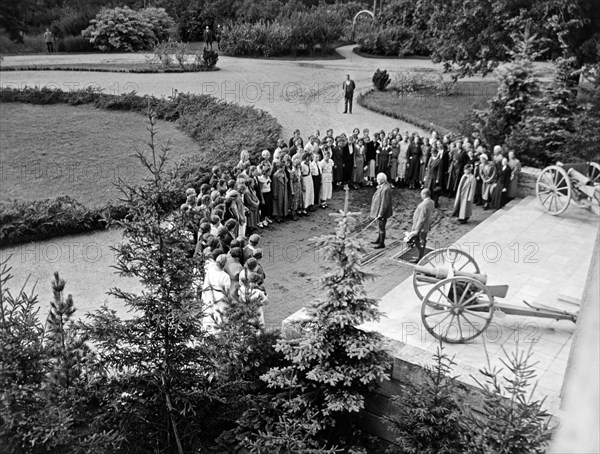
column 299, row 176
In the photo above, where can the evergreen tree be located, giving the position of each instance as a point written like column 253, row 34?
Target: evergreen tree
column 161, row 356
column 429, row 418
column 333, row 364
column 68, row 350
column 517, row 86
column 513, row 422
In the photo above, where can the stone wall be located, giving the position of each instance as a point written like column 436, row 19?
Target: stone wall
column 527, row 179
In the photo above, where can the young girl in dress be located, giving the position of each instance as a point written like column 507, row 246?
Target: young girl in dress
column 326, row 165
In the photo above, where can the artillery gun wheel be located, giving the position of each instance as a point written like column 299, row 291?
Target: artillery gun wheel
column 457, row 309
column 594, row 173
column 553, row 189
column 442, row 259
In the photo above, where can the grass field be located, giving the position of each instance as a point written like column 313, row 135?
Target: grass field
column 47, row 151
column 427, row 108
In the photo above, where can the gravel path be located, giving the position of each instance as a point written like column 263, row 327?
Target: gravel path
column 300, row 94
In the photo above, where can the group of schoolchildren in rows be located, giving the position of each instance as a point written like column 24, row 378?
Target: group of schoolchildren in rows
column 297, row 177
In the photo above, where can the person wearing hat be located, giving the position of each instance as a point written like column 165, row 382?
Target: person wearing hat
column 488, row 174
column 465, row 194
column 251, row 247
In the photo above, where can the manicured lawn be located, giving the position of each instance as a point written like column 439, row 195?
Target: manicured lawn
column 47, row 151
column 427, row 108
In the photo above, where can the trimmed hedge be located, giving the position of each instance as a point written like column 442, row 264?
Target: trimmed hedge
column 107, row 70
column 23, row 221
column 224, row 129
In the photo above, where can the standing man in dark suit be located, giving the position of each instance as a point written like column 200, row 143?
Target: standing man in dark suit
column 348, row 86
column 422, row 221
column 208, row 38
column 381, row 208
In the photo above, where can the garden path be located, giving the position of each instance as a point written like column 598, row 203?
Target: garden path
column 282, row 88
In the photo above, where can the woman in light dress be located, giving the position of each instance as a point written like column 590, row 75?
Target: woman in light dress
column 326, row 165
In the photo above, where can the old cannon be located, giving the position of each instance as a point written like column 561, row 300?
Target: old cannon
column 559, row 184
column 457, row 305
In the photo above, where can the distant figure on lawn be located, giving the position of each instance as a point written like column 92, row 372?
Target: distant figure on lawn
column 49, row 38
column 218, row 33
column 348, row 86
column 208, row 38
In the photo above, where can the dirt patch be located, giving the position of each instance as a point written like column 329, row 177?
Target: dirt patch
column 294, row 266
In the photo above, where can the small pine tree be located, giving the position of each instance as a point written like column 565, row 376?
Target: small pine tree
column 333, row 364
column 429, row 415
column 513, row 422
column 381, row 79
column 68, row 349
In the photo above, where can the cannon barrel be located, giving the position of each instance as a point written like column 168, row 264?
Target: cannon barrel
column 432, row 275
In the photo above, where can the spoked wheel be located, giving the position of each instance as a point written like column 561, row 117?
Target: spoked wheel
column 442, row 259
column 594, row 173
column 457, row 310
column 553, row 189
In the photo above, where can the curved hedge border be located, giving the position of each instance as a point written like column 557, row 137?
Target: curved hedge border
column 104, row 70
column 222, row 128
column 363, row 101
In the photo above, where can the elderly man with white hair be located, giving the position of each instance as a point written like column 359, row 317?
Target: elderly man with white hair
column 381, row 208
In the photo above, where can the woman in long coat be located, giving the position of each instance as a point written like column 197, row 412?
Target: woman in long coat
column 383, row 158
column 252, row 203
column 515, row 172
column 488, row 174
column 281, row 201
column 500, row 193
column 425, row 153
column 432, row 175
column 465, row 194
column 337, row 154
column 394, row 161
column 358, row 173
column 414, row 157
column 308, row 190
column 296, row 185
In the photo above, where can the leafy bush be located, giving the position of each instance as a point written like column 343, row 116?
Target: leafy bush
column 32, row 44
column 71, row 23
column 74, row 44
column 412, row 81
column 293, row 33
column 23, row 221
column 381, row 79
column 127, row 30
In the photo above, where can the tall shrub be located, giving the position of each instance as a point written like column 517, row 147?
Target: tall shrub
column 429, row 418
column 517, row 87
column 159, row 355
column 127, row 30
column 333, row 364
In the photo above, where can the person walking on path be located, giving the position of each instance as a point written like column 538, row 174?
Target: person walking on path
column 208, row 38
column 422, row 222
column 218, row 33
column 49, row 38
column 381, row 208
column 348, row 86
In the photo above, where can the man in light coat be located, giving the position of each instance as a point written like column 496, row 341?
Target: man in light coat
column 381, row 208
column 422, row 221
